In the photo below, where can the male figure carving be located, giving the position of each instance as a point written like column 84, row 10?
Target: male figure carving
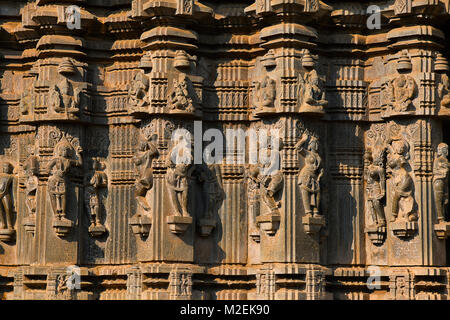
column 58, row 168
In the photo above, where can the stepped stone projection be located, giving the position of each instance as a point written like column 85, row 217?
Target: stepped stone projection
column 92, row 93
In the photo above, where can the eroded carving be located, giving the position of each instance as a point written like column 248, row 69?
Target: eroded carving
column 63, row 98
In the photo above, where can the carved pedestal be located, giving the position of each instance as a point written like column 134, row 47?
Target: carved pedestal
column 7, row 235
column 62, row 226
column 97, row 230
column 206, row 226
column 442, row 230
column 269, row 223
column 29, row 224
column 141, row 224
column 376, row 234
column 178, row 225
column 404, row 229
column 313, row 224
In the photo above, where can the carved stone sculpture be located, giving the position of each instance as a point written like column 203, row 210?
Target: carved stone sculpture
column 311, row 93
column 147, row 152
column 63, row 98
column 93, row 197
column 27, row 99
column 264, row 95
column 179, row 172
column 403, row 215
column 254, row 198
column 401, row 92
column 138, row 91
column 375, row 177
column 58, row 169
column 211, row 178
column 444, row 91
column 180, row 99
column 309, row 181
column 441, row 170
column 31, row 168
column 7, row 231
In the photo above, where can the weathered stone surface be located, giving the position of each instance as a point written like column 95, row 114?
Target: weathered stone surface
column 112, row 113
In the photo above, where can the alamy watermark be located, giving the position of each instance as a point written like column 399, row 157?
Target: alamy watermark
column 73, row 17
column 263, row 146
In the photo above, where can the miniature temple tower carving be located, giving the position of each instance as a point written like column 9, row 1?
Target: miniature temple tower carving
column 309, row 179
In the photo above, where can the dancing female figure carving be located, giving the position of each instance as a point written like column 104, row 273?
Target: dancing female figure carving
column 178, row 172
column 310, row 175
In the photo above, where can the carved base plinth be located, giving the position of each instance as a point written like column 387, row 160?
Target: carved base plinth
column 178, row 225
column 141, row 224
column 404, row 229
column 313, row 224
column 62, row 226
column 255, row 235
column 97, row 230
column 376, row 234
column 206, row 226
column 29, row 224
column 269, row 223
column 259, row 112
column 442, row 230
column 316, row 110
column 7, row 234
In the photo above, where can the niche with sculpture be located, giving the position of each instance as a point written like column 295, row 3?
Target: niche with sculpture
column 403, row 207
column 309, row 181
column 67, row 154
column 179, row 172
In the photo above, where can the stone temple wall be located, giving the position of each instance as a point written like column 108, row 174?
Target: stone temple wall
column 93, row 92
